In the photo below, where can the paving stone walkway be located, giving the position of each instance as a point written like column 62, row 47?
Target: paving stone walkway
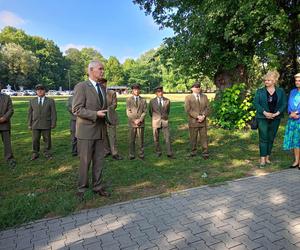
column 252, row 213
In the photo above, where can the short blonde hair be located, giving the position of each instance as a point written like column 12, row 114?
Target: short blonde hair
column 272, row 74
column 297, row 75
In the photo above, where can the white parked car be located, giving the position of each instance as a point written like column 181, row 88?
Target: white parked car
column 53, row 92
column 9, row 92
column 30, row 92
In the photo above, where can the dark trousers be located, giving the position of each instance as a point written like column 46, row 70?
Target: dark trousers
column 166, row 133
column 36, row 138
column 90, row 151
column 267, row 130
column 136, row 134
column 73, row 137
column 5, row 135
column 201, row 134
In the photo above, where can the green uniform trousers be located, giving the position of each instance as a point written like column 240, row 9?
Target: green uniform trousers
column 267, row 130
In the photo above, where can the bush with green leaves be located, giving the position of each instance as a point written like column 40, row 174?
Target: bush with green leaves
column 233, row 107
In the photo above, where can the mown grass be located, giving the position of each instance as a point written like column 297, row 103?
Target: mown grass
column 43, row 189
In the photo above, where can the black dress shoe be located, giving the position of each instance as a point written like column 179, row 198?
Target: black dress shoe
column 205, row 157
column 48, row 156
column 131, row 157
column 12, row 163
column 292, row 166
column 171, row 156
column 107, row 154
column 102, row 192
column 80, row 196
column 117, row 157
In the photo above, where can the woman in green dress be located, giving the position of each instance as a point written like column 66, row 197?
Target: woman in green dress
column 270, row 103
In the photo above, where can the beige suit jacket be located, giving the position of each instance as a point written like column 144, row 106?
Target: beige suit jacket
column 193, row 109
column 111, row 97
column 136, row 112
column 85, row 105
column 6, row 111
column 159, row 116
column 42, row 117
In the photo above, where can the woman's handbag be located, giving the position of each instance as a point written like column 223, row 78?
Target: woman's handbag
column 253, row 123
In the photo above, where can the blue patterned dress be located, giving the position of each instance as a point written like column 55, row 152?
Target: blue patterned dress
column 292, row 129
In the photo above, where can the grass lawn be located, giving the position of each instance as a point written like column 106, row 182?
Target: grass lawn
column 43, row 189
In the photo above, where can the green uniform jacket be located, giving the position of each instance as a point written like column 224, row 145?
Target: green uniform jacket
column 261, row 103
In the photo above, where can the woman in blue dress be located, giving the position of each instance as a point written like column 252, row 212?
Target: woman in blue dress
column 292, row 130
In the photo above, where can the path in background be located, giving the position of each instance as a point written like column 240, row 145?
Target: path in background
column 252, row 213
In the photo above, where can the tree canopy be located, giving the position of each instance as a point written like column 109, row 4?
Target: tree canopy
column 28, row 60
column 223, row 39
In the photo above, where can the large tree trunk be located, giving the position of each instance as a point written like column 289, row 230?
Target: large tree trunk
column 226, row 78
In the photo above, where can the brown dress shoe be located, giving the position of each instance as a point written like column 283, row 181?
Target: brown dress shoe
column 34, row 157
column 102, row 192
column 117, row 157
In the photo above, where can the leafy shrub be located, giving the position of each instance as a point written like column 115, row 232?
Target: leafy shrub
column 233, row 107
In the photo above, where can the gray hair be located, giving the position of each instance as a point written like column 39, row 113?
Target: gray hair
column 297, row 75
column 93, row 64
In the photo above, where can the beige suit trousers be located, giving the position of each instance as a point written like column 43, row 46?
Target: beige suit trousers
column 8, row 154
column 36, row 138
column 199, row 133
column 90, row 151
column 166, row 133
column 112, row 138
column 136, row 134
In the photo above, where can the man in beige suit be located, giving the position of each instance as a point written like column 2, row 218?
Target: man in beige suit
column 90, row 106
column 136, row 108
column 6, row 112
column 41, row 119
column 197, row 107
column 159, row 109
column 111, row 122
column 72, row 127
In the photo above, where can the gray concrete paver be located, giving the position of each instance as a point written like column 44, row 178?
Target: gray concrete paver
column 252, row 213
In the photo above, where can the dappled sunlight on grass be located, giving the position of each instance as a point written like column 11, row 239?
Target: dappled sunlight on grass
column 63, row 169
column 135, row 187
column 162, row 163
